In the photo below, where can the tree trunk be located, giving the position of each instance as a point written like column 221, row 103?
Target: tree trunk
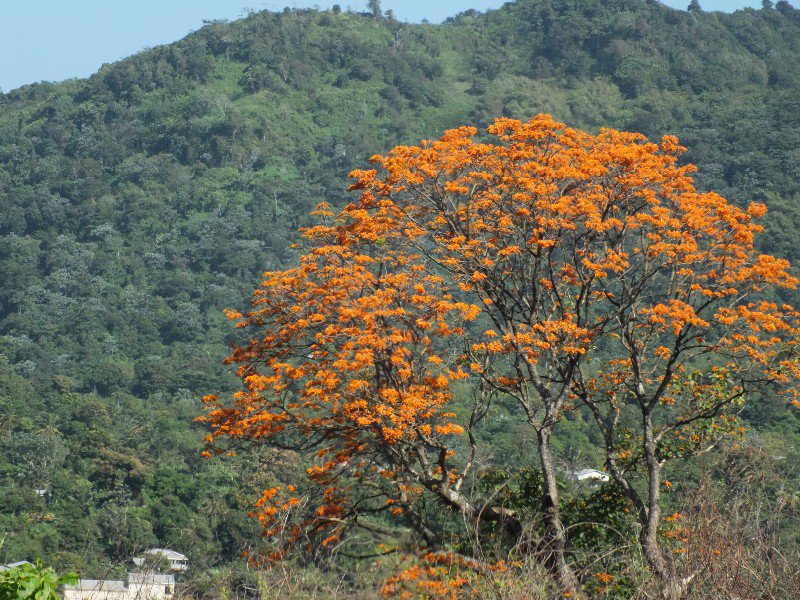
column 671, row 587
column 555, row 544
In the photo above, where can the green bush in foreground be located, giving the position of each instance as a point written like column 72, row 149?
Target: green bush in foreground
column 31, row 581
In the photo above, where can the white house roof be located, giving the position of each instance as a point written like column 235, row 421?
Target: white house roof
column 590, row 474
column 166, row 553
column 12, row 565
column 96, row 585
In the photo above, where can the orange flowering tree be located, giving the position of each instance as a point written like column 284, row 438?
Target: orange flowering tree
column 609, row 280
column 544, row 265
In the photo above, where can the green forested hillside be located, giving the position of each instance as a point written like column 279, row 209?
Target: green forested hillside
column 137, row 204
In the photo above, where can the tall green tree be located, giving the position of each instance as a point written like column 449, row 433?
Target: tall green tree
column 375, row 8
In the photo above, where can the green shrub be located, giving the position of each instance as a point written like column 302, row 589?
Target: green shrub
column 31, row 581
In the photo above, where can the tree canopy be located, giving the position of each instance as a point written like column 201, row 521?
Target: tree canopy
column 543, row 266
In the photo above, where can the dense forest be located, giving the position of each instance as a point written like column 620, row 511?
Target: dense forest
column 137, row 204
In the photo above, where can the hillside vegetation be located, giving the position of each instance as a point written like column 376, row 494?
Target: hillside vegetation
column 137, row 204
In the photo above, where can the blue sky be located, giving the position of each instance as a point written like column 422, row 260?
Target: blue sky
column 59, row 39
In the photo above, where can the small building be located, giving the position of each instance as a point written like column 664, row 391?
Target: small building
column 591, row 475
column 139, row 586
column 96, row 589
column 144, row 584
column 150, row 585
column 178, row 563
column 13, row 565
